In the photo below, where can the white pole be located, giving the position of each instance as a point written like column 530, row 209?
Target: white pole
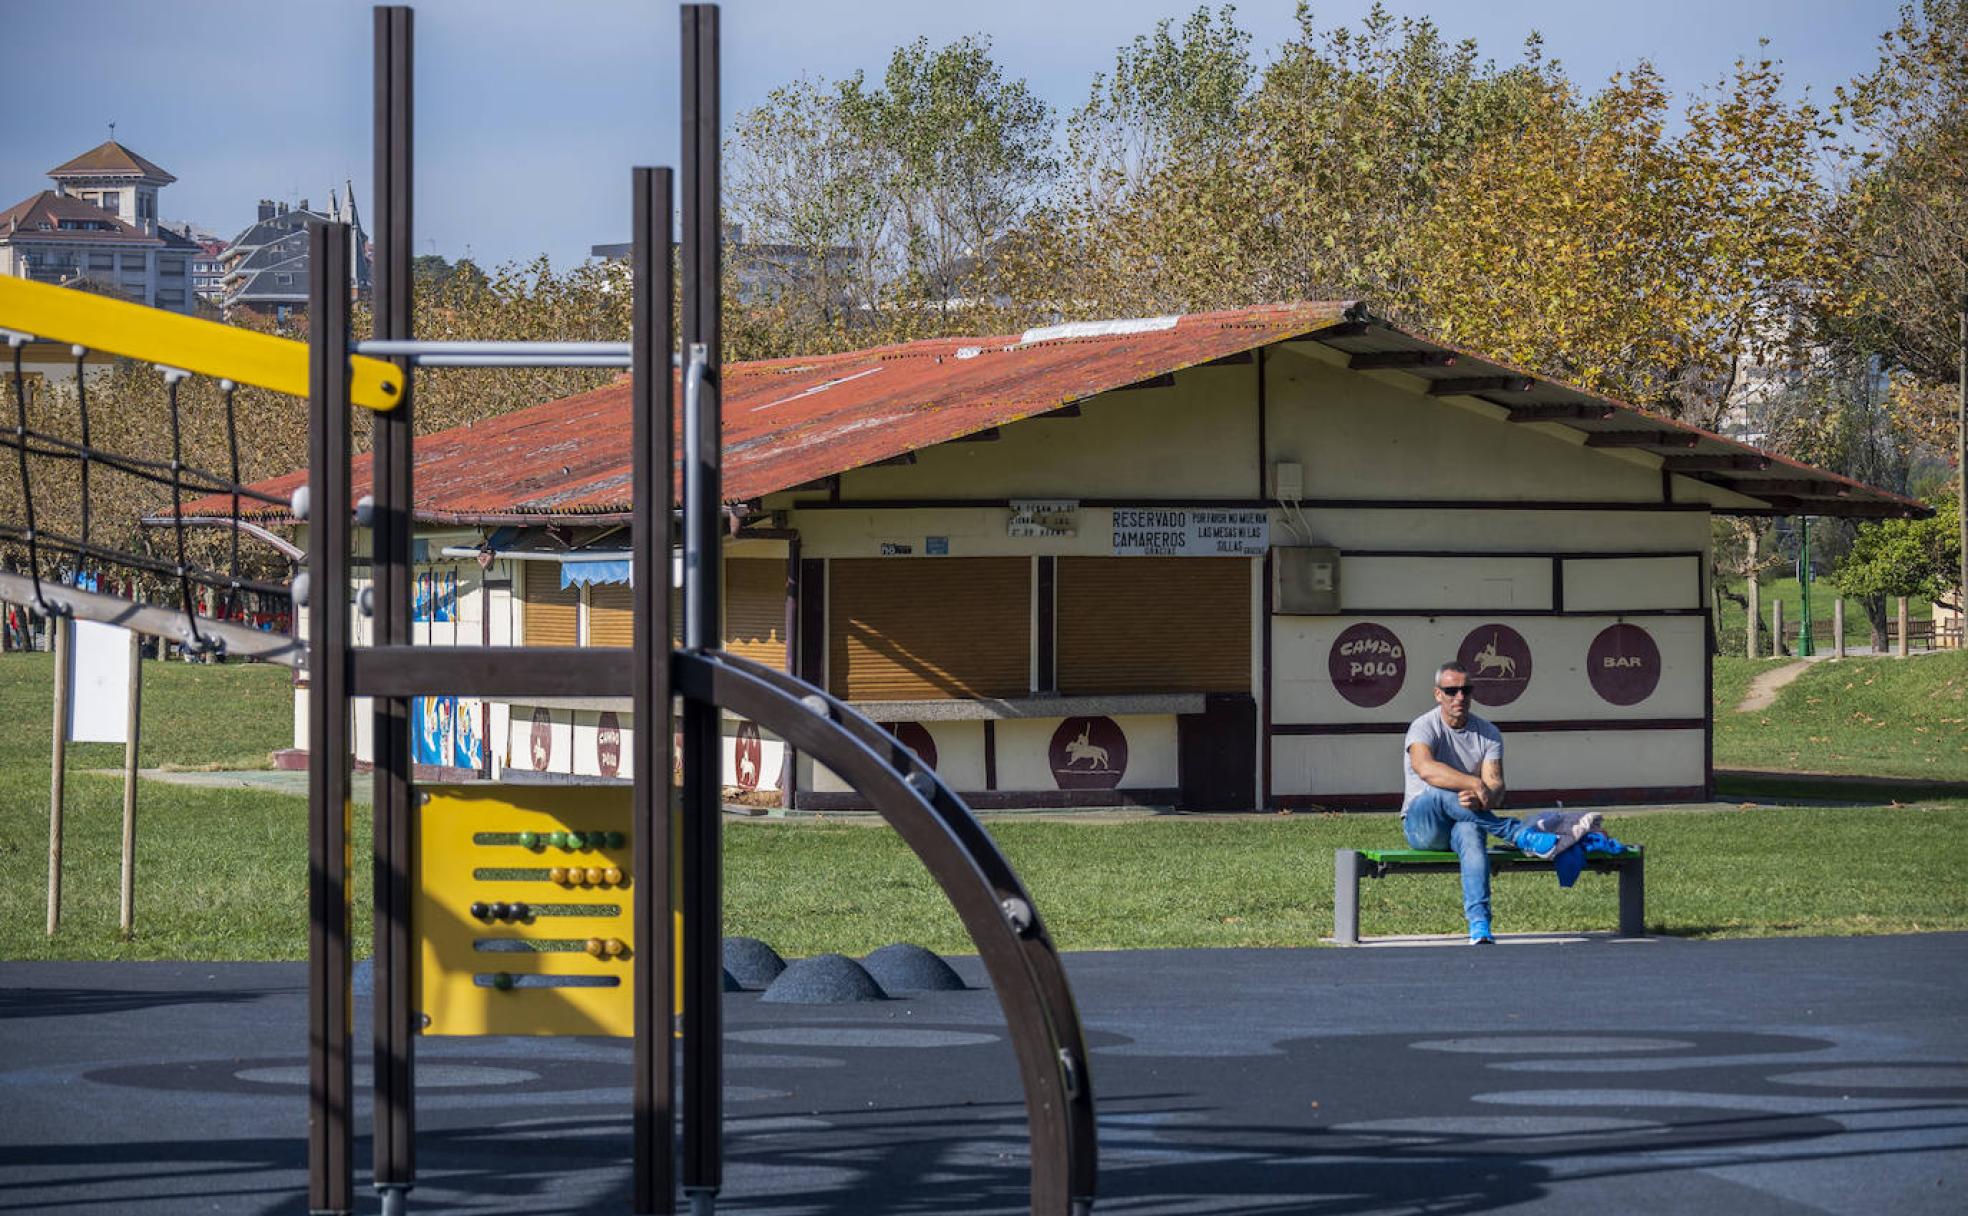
column 1902, row 650
column 64, row 678
column 129, row 906
column 1838, row 627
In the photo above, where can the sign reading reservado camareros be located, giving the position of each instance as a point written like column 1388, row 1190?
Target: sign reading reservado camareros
column 1191, row 532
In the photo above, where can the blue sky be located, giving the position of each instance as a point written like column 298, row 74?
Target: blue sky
column 530, row 114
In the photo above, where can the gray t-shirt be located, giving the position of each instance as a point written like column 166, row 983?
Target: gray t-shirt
column 1462, row 750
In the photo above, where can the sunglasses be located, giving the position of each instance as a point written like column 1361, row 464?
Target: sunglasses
column 1452, row 693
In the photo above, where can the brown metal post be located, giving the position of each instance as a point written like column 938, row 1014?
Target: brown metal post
column 132, row 725
column 652, row 442
column 64, row 627
column 703, row 545
column 331, row 1000
column 392, row 440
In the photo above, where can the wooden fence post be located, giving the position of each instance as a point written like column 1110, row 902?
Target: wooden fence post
column 1902, row 650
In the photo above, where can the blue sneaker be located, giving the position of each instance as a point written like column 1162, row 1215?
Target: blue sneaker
column 1479, row 933
column 1541, row 845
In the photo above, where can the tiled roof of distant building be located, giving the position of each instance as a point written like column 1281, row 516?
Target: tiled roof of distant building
column 111, row 159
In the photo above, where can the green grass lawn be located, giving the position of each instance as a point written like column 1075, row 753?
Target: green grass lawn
column 222, row 873
column 1883, row 716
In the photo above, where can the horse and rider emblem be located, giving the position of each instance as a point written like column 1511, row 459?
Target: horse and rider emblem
column 1088, row 754
column 1499, row 663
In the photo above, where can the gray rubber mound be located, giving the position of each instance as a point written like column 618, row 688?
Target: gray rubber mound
column 753, row 963
column 824, row 979
column 731, row 983
column 907, row 967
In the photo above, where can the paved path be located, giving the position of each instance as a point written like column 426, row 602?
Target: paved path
column 1748, row 1077
column 1763, row 689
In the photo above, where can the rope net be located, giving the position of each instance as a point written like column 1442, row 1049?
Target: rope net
column 101, row 469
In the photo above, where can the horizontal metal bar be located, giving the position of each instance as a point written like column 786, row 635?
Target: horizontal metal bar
column 239, row 641
column 492, row 671
column 192, row 344
column 384, row 348
column 519, row 360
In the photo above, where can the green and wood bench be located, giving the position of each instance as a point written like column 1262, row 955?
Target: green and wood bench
column 1351, row 865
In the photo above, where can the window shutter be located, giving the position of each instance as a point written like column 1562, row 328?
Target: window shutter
column 552, row 615
column 755, row 609
column 909, row 629
column 1153, row 624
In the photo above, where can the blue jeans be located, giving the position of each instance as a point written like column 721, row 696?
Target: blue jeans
column 1438, row 821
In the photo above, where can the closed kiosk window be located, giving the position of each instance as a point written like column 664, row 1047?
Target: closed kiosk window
column 919, row 629
column 1153, row 624
column 552, row 612
column 611, row 615
column 755, row 609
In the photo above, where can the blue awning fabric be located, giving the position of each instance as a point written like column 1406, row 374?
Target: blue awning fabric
column 575, row 573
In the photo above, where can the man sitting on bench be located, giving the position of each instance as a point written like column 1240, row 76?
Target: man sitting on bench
column 1453, row 779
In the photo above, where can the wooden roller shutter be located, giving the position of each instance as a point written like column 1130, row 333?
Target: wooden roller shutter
column 1154, row 624
column 919, row 629
column 755, row 609
column 552, row 614
column 611, row 615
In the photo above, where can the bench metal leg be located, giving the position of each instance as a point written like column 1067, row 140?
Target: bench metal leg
column 1633, row 898
column 1346, row 897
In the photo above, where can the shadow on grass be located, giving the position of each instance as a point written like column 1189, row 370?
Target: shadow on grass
column 1755, row 783
column 78, row 1002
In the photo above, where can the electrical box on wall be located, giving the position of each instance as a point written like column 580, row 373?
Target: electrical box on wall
column 1287, row 481
column 1305, row 581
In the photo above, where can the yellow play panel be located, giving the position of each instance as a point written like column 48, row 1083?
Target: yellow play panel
column 524, row 910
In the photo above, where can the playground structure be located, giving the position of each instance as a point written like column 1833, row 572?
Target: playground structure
column 672, row 838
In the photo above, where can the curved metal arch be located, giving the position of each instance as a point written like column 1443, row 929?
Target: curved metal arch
column 980, row 884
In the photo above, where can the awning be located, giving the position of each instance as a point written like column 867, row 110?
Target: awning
column 574, row 571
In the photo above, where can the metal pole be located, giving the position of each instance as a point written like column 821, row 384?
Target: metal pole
column 652, row 442
column 1901, row 648
column 1776, row 629
column 64, row 629
column 1804, row 641
column 703, row 880
column 331, row 1013
column 1961, row 463
column 392, row 439
column 132, row 722
column 1838, row 628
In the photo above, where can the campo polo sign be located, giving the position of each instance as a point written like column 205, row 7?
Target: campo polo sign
column 1191, row 532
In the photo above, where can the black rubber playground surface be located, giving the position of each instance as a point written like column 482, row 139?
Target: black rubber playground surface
column 1774, row 1076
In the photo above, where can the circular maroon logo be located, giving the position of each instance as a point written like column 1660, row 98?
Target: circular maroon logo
column 1088, row 754
column 1368, row 664
column 1623, row 664
column 916, row 737
column 542, row 740
column 1499, row 663
column 747, row 756
column 608, row 743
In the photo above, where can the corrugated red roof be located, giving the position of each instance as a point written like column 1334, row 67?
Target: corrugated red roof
column 788, row 422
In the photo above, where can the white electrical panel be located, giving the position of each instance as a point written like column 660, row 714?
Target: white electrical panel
column 1305, row 581
column 1287, row 481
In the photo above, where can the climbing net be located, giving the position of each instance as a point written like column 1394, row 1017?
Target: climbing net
column 91, row 482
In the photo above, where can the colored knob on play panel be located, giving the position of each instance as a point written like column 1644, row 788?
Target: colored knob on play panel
column 558, row 874
column 613, row 874
column 502, row 982
column 614, row 840
column 595, row 875
column 596, row 946
column 480, row 911
column 614, row 946
column 529, row 840
column 500, row 911
column 557, row 839
column 576, row 841
column 519, row 912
